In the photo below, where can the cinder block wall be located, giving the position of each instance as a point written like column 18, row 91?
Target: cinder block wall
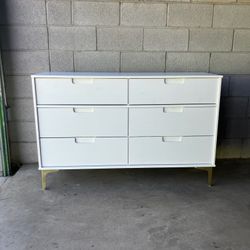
column 77, row 35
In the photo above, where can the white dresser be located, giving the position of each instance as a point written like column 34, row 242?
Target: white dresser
column 126, row 120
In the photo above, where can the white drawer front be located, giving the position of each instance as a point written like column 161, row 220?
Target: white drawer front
column 81, row 91
column 170, row 150
column 67, row 152
column 173, row 91
column 83, row 121
column 172, row 121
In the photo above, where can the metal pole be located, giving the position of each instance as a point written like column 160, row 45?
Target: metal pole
column 4, row 137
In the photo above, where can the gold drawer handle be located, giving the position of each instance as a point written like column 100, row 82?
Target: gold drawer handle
column 83, row 110
column 82, row 81
column 173, row 81
column 172, row 139
column 84, row 140
column 173, row 109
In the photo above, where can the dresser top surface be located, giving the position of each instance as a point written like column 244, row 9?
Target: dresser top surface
column 126, row 75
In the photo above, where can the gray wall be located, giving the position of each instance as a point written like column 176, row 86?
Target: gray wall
column 184, row 35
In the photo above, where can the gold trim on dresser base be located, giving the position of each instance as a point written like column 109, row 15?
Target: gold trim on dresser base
column 209, row 171
column 44, row 175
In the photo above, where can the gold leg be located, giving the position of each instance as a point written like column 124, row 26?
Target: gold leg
column 210, row 177
column 44, row 175
column 209, row 171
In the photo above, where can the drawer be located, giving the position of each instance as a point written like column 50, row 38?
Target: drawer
column 67, row 152
column 171, row 150
column 172, row 121
column 173, row 91
column 83, row 121
column 81, row 91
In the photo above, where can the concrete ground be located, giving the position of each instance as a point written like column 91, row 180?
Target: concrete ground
column 127, row 210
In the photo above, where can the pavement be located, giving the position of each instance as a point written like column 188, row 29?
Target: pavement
column 141, row 209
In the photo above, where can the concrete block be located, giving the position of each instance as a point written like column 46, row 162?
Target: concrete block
column 23, row 37
column 248, row 109
column 72, row 38
column 18, row 86
column 225, row 86
column 221, row 126
column 214, row 1
column 187, row 62
column 143, row 61
column 241, row 40
column 166, row 39
column 232, row 16
column 192, row 15
column 61, row 60
column 21, row 110
column 211, row 39
column 245, row 150
column 236, row 128
column 24, row 152
column 25, row 62
column 97, row 61
column 22, row 131
column 59, row 12
column 218, row 149
column 119, row 38
column 22, row 12
column 234, row 107
column 229, row 149
column 230, row 63
column 248, row 128
column 167, row 1
column 91, row 13
column 141, row 14
column 240, row 85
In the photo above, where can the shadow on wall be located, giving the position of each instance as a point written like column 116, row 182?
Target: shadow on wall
column 4, row 32
column 5, row 40
column 5, row 36
column 234, row 126
column 3, row 12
